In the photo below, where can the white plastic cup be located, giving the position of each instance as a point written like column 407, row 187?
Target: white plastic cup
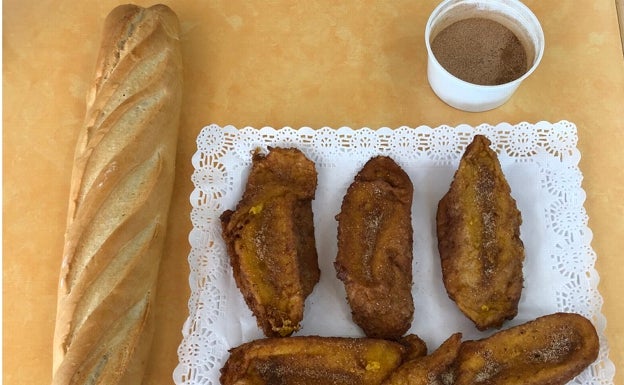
column 475, row 97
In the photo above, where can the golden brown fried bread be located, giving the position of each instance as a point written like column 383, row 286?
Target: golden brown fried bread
column 312, row 360
column 435, row 368
column 270, row 239
column 416, row 347
column 375, row 249
column 478, row 228
column 550, row 350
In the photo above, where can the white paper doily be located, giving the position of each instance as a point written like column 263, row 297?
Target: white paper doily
column 539, row 160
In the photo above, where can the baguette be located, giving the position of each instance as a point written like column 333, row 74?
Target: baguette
column 120, row 193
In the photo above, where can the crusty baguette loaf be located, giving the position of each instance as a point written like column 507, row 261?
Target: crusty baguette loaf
column 120, row 193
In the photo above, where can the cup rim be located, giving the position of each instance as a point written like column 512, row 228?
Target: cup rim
column 538, row 55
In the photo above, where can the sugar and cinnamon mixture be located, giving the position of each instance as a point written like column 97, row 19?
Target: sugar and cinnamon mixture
column 480, row 51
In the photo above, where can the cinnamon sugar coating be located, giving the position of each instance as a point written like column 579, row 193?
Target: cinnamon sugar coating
column 478, row 229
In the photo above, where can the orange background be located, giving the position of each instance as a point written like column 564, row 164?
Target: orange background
column 277, row 63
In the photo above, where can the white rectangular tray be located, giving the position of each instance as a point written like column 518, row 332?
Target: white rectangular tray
column 540, row 162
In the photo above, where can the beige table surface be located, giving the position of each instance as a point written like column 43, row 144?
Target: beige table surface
column 315, row 63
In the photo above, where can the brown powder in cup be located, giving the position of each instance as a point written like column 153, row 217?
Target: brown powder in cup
column 480, row 51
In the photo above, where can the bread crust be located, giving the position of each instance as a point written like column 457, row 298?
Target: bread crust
column 120, row 192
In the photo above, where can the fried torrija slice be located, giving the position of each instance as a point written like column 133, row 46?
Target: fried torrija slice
column 550, row 350
column 270, row 239
column 312, row 360
column 478, row 228
column 435, row 368
column 374, row 257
